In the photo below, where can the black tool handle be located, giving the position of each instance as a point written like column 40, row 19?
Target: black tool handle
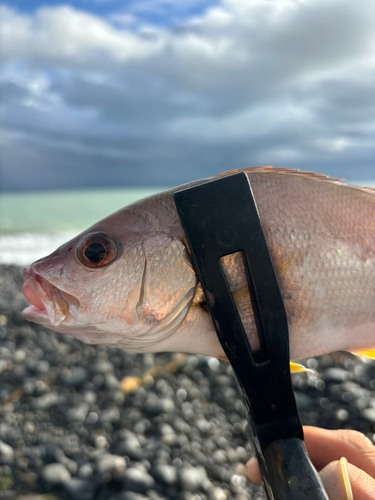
column 291, row 475
column 221, row 218
column 285, row 467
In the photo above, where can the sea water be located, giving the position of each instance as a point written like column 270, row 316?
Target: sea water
column 33, row 225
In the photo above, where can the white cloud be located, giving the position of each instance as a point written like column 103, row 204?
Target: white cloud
column 283, row 81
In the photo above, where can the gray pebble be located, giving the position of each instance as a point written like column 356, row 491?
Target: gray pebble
column 131, row 448
column 52, row 453
column 102, row 366
column 45, row 402
column 129, row 495
column 111, row 381
column 70, row 464
column 304, row 402
column 138, row 480
column 111, row 466
column 369, row 414
column 220, row 457
column 77, row 413
column 75, row 376
column 42, row 367
column 3, row 365
column 86, row 471
column 336, row 374
column 56, row 474
column 89, row 397
column 157, row 406
column 165, row 474
column 6, row 453
column 19, row 355
column 190, row 479
column 217, row 494
column 109, row 415
column 80, row 489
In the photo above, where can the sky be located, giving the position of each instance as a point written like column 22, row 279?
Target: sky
column 123, row 93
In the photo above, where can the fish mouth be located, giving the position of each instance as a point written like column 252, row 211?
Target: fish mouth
column 48, row 305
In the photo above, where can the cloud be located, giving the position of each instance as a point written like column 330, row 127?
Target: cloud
column 90, row 100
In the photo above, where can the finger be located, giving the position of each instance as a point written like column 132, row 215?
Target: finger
column 331, row 477
column 362, row 485
column 252, row 471
column 325, row 446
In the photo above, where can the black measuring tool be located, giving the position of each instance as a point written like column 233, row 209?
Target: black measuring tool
column 220, row 218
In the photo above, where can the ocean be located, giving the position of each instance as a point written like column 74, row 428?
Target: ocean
column 32, row 225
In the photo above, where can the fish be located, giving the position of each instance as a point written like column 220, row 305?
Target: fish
column 128, row 281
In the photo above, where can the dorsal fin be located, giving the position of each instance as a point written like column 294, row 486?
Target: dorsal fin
column 301, row 173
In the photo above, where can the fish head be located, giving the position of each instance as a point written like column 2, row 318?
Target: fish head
column 124, row 282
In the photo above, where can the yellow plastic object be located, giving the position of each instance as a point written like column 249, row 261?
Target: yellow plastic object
column 345, row 477
column 369, row 353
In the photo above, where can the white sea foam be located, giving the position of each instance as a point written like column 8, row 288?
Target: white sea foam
column 23, row 249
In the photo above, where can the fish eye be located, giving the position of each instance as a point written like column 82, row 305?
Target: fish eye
column 96, row 250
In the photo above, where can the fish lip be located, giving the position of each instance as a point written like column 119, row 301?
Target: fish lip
column 55, row 306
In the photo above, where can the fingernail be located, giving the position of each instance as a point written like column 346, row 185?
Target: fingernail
column 345, row 477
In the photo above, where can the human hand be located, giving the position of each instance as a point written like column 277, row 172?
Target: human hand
column 349, row 478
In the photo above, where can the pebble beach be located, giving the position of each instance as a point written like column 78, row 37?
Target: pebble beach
column 81, row 422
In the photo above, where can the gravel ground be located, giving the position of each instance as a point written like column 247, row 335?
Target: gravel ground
column 68, row 430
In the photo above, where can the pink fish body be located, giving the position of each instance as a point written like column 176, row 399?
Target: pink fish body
column 128, row 281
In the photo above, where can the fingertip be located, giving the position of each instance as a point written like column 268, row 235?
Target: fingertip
column 331, row 477
column 252, row 471
column 362, row 486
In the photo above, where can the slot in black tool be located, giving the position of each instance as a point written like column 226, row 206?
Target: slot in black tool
column 220, row 218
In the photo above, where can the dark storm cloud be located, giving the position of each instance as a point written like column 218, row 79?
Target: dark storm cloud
column 87, row 103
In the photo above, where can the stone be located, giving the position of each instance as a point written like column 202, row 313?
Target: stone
column 217, row 494
column 190, row 479
column 6, row 454
column 3, row 365
column 369, row 414
column 19, row 356
column 165, row 474
column 80, row 489
column 111, row 466
column 336, row 374
column 56, row 474
column 111, row 381
column 45, row 402
column 138, row 480
column 109, row 415
column 131, row 448
column 52, row 453
column 86, row 470
column 129, row 495
column 156, row 406
column 77, row 413
column 304, row 402
column 75, row 376
column 102, row 366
